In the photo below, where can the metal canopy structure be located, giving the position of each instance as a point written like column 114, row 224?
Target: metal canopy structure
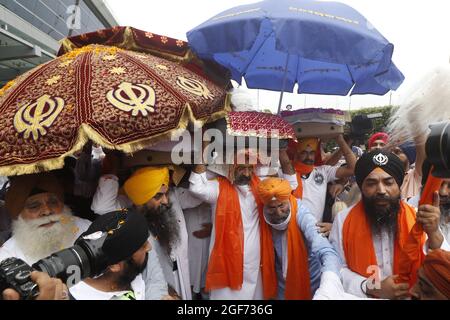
column 30, row 30
column 18, row 55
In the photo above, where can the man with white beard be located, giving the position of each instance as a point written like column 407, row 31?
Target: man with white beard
column 42, row 224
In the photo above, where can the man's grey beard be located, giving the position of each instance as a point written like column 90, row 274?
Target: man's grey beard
column 37, row 243
column 163, row 224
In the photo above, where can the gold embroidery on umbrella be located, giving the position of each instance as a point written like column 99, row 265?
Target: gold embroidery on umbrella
column 117, row 70
column 65, row 63
column 53, row 80
column 109, row 57
column 137, row 98
column 33, row 118
column 162, row 67
column 149, row 35
column 164, row 39
column 195, row 87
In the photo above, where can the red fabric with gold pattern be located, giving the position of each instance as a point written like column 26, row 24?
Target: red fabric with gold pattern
column 129, row 38
column 118, row 98
column 259, row 124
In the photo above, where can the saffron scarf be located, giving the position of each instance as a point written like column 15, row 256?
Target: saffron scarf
column 301, row 169
column 226, row 263
column 298, row 285
column 358, row 243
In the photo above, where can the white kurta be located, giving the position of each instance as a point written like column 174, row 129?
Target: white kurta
column 181, row 253
column 384, row 251
column 83, row 291
column 107, row 199
column 11, row 249
column 315, row 189
column 331, row 289
column 196, row 213
column 208, row 191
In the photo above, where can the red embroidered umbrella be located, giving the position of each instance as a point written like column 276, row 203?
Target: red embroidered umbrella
column 118, row 98
column 259, row 124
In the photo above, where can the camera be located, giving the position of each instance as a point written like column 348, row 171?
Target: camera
column 360, row 128
column 437, row 149
column 85, row 259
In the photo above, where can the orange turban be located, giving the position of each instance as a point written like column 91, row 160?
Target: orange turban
column 145, row 183
column 22, row 187
column 313, row 143
column 436, row 267
column 274, row 188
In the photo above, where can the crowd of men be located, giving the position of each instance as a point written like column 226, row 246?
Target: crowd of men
column 326, row 226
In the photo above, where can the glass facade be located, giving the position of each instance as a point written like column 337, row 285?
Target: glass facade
column 53, row 17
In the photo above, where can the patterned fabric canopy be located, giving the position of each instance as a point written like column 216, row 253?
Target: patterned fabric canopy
column 259, row 124
column 120, row 99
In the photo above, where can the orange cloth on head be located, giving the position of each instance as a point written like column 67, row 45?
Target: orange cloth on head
column 274, row 188
column 226, row 262
column 22, row 186
column 145, row 183
column 302, row 144
column 436, row 268
column 298, row 286
column 358, row 243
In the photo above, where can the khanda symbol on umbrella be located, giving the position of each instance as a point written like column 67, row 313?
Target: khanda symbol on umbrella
column 34, row 118
column 195, row 87
column 137, row 98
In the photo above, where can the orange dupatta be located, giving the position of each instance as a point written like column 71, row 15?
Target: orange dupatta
column 301, row 169
column 298, row 285
column 412, row 253
column 358, row 244
column 226, row 262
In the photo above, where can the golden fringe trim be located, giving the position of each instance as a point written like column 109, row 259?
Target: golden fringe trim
column 129, row 43
column 67, row 45
column 5, row 88
column 86, row 133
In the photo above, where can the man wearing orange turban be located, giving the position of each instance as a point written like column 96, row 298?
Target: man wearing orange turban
column 313, row 180
column 301, row 253
column 42, row 223
column 434, row 277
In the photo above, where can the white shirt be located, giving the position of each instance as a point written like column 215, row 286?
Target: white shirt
column 11, row 249
column 384, row 250
column 208, row 191
column 315, row 189
column 106, row 199
column 196, row 213
column 83, row 291
column 331, row 289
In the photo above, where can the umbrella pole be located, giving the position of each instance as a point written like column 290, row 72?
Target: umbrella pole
column 284, row 84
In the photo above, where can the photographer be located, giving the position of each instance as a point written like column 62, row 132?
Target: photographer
column 126, row 252
column 118, row 255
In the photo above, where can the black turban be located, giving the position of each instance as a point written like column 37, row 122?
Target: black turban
column 387, row 161
column 127, row 233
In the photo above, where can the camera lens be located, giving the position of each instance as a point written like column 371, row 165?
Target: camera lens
column 438, row 149
column 66, row 263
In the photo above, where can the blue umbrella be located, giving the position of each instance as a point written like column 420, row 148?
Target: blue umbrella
column 325, row 47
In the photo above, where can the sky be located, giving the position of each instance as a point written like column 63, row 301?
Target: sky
column 419, row 30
